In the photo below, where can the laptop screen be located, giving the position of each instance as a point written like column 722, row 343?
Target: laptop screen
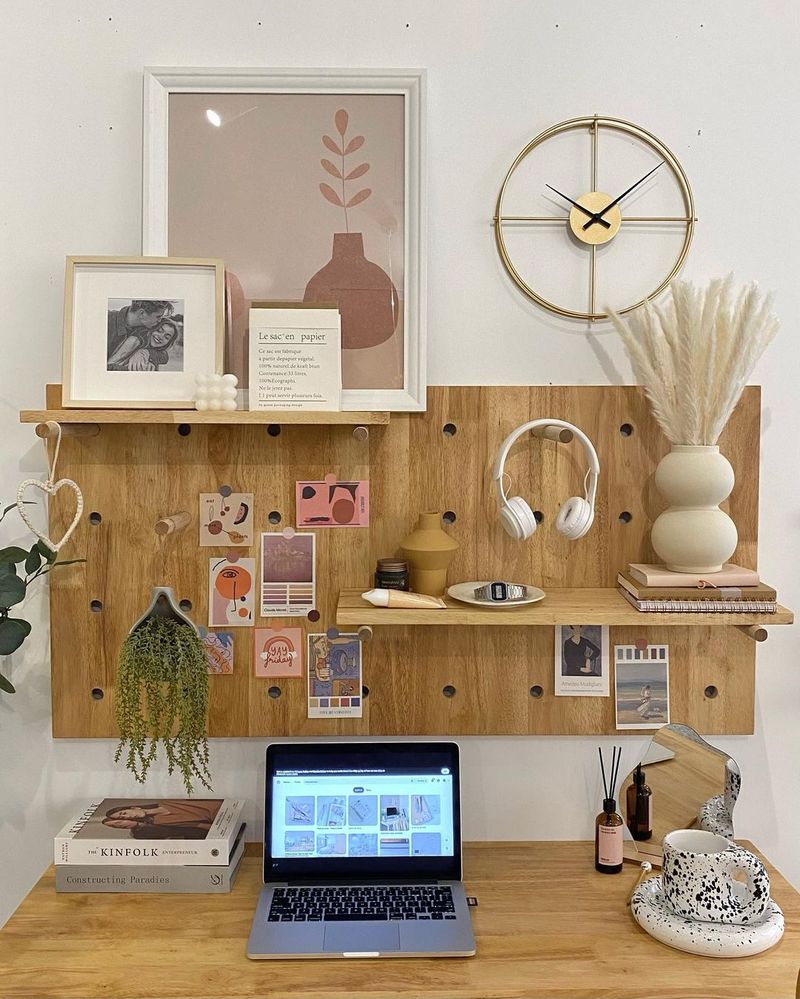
column 362, row 810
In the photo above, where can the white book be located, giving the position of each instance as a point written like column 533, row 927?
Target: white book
column 295, row 358
column 152, row 831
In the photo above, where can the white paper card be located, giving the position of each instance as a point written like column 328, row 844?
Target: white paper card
column 295, row 359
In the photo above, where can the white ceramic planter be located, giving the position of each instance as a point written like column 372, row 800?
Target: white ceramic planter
column 693, row 534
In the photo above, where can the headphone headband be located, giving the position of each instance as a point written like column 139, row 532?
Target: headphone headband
column 588, row 449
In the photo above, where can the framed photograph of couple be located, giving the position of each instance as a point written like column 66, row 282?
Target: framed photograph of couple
column 137, row 330
column 310, row 185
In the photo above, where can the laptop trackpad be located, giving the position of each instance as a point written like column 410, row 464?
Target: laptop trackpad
column 361, row 937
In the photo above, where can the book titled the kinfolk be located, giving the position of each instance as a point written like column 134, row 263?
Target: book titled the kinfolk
column 133, row 879
column 152, row 831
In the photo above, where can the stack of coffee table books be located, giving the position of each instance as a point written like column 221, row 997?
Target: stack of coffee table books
column 191, row 845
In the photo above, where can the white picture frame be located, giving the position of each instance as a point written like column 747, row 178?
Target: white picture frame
column 111, row 361
column 161, row 82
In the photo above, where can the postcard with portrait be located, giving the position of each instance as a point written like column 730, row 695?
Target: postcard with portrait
column 332, row 503
column 231, row 592
column 581, row 660
column 334, row 676
column 226, row 520
column 288, row 572
column 641, row 679
column 278, row 652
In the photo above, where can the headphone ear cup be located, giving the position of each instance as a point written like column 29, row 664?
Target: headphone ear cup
column 517, row 518
column 575, row 518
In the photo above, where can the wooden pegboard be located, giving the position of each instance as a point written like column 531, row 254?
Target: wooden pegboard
column 132, row 475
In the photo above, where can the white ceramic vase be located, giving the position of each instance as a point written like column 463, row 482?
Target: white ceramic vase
column 693, row 534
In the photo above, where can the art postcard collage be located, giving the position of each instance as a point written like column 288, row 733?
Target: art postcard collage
column 248, row 591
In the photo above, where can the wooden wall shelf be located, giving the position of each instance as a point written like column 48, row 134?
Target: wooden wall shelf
column 589, row 605
column 192, row 416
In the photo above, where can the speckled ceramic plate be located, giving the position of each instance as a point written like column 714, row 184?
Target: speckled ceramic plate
column 465, row 592
column 654, row 914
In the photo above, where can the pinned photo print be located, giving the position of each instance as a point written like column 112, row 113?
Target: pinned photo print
column 334, row 676
column 278, row 652
column 287, row 574
column 332, row 503
column 218, row 647
column 641, row 678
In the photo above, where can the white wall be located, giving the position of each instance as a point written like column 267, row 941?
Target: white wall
column 716, row 80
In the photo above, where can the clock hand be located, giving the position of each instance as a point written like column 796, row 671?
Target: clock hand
column 593, row 216
column 616, row 201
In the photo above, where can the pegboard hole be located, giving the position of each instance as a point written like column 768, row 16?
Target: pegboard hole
column 538, row 516
column 95, row 518
column 625, row 517
column 185, row 605
column 274, row 692
column 184, row 429
column 626, row 430
column 274, row 517
column 449, row 517
column 274, row 429
column 449, row 690
column 711, row 691
column 365, row 691
column 449, row 429
column 537, row 690
column 96, row 606
column 98, row 693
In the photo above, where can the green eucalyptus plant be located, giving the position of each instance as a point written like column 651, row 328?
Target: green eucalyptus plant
column 161, row 695
column 19, row 567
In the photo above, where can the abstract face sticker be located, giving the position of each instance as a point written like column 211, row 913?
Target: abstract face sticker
column 231, row 592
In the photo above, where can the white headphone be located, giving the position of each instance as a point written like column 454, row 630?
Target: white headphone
column 575, row 516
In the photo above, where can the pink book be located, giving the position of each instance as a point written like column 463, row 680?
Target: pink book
column 659, row 575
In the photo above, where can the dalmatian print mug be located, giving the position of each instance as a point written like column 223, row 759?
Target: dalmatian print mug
column 699, row 883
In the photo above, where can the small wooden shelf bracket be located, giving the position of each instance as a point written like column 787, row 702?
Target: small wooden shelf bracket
column 49, row 430
column 755, row 631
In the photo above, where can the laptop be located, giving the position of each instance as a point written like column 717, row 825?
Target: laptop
column 362, row 853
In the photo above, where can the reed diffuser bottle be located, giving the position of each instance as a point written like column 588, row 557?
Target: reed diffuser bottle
column 608, row 825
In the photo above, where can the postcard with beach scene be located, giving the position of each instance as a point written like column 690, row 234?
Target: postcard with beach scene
column 641, row 680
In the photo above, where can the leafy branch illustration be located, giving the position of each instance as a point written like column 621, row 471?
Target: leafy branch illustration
column 342, row 149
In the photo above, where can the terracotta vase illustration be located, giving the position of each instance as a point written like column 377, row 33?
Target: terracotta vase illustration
column 364, row 292
column 429, row 551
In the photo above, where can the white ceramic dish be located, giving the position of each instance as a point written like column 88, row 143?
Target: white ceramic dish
column 465, row 592
column 653, row 913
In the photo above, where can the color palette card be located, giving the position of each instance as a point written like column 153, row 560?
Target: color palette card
column 288, row 569
column 334, row 676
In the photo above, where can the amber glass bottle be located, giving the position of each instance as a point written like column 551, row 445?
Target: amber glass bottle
column 608, row 839
column 639, row 806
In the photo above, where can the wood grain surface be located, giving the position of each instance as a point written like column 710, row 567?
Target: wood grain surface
column 547, row 925
column 133, row 475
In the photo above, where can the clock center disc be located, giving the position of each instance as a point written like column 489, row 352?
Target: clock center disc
column 596, row 233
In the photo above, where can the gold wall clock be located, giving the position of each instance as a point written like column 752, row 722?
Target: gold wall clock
column 594, row 213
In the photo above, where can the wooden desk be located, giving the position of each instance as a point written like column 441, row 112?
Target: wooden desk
column 547, row 925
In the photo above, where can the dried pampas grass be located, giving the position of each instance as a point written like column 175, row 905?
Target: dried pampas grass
column 694, row 353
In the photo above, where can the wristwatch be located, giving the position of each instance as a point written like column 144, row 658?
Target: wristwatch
column 499, row 592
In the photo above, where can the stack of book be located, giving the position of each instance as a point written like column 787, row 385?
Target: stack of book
column 190, row 845
column 733, row 590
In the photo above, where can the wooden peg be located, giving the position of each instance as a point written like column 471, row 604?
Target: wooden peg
column 49, row 430
column 755, row 631
column 364, row 633
column 558, row 434
column 173, row 523
column 361, row 433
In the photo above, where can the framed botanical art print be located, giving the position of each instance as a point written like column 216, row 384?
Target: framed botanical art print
column 310, row 185
column 137, row 330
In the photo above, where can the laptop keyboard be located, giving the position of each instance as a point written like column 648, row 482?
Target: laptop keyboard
column 362, row 902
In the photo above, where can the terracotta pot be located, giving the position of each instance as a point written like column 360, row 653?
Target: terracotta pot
column 693, row 534
column 429, row 551
column 366, row 297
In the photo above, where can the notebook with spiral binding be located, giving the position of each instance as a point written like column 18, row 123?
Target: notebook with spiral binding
column 700, row 606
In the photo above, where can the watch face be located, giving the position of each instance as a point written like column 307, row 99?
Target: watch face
column 499, row 591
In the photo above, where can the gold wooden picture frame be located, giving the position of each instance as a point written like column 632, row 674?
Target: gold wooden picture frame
column 138, row 330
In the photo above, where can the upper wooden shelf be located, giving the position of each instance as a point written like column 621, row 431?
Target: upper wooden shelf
column 175, row 417
column 589, row 605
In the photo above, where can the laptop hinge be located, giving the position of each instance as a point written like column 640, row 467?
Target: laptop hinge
column 325, row 882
